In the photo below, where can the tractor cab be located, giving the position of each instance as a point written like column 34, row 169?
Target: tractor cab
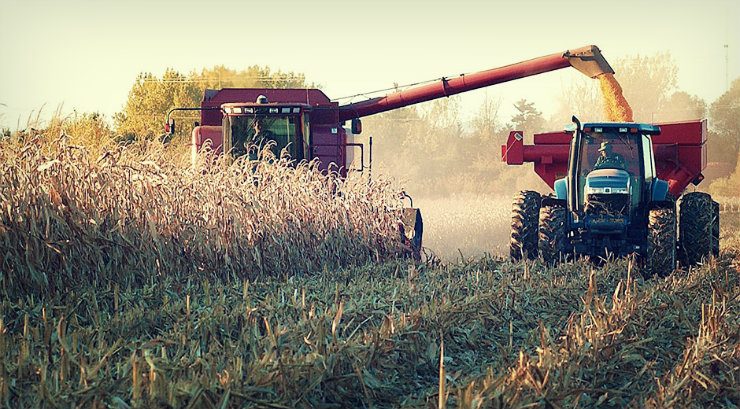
column 249, row 127
column 612, row 169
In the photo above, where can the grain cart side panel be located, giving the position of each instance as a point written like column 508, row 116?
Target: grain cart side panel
column 681, row 153
column 549, row 154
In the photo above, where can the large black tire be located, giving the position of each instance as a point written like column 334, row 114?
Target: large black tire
column 696, row 227
column 661, row 242
column 552, row 233
column 525, row 213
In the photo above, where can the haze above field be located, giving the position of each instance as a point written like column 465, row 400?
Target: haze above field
column 87, row 54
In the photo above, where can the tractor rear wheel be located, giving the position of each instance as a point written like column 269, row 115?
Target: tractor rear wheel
column 552, row 233
column 661, row 242
column 525, row 213
column 696, row 227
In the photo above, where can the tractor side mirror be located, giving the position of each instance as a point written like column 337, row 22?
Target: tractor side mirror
column 356, row 126
column 571, row 128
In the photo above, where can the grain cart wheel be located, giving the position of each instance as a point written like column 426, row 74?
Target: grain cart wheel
column 695, row 227
column 715, row 230
column 661, row 242
column 552, row 233
column 525, row 213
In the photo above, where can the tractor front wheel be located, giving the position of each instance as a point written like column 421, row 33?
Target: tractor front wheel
column 661, row 242
column 552, row 233
column 525, row 213
column 698, row 227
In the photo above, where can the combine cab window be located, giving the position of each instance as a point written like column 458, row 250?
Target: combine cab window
column 250, row 133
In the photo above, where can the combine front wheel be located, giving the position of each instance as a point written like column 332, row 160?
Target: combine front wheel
column 411, row 227
column 552, row 233
column 698, row 227
column 661, row 242
column 524, row 220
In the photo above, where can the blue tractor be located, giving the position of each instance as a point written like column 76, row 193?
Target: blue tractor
column 612, row 200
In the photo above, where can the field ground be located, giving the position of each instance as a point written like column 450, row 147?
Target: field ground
column 467, row 225
column 473, row 225
column 514, row 335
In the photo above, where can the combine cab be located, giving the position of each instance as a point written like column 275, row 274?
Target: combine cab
column 615, row 187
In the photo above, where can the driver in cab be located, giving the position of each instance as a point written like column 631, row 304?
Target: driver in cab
column 260, row 137
column 608, row 159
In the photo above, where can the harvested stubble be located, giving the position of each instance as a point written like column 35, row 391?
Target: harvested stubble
column 134, row 215
column 515, row 335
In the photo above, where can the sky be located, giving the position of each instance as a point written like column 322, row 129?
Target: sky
column 85, row 55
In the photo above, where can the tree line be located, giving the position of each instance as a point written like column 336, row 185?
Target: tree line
column 151, row 97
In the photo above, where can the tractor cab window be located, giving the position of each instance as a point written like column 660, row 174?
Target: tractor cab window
column 251, row 133
column 610, row 151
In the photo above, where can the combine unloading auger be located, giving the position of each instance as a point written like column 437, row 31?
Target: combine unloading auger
column 587, row 60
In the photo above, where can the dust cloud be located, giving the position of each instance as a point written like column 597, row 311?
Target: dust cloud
column 467, row 225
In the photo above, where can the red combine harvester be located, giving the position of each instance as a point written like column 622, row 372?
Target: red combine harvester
column 309, row 125
column 615, row 188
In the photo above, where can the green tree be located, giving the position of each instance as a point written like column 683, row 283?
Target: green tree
column 724, row 113
column 682, row 106
column 89, row 129
column 150, row 97
column 149, row 100
column 486, row 123
column 528, row 119
column 445, row 127
column 254, row 76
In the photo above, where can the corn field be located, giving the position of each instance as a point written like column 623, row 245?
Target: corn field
column 130, row 280
column 134, row 215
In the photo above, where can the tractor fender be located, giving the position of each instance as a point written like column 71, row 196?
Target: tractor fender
column 660, row 190
column 561, row 189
